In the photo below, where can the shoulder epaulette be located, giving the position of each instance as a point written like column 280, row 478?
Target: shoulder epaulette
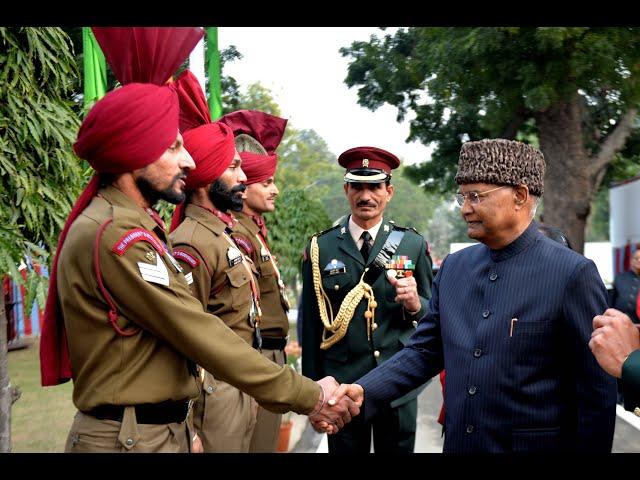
column 325, row 231
column 398, row 227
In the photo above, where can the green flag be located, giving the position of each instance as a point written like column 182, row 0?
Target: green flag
column 95, row 69
column 212, row 66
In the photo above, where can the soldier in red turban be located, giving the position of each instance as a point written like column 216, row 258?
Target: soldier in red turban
column 258, row 134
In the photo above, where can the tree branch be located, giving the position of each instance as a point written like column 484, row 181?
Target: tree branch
column 614, row 142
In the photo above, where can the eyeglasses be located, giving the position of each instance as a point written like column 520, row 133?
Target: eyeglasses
column 474, row 197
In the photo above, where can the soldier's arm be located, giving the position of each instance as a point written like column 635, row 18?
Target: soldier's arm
column 154, row 296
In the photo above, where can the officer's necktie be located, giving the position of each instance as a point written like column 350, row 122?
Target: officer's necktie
column 366, row 246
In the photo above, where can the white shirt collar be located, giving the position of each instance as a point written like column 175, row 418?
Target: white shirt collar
column 355, row 230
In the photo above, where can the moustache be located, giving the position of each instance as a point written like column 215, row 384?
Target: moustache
column 238, row 188
column 180, row 176
column 365, row 204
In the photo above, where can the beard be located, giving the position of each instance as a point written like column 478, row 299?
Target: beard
column 225, row 198
column 169, row 194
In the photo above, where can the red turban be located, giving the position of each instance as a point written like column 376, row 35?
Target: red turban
column 146, row 54
column 211, row 145
column 127, row 129
column 267, row 129
column 258, row 167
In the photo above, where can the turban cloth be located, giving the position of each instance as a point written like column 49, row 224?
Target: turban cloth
column 211, row 145
column 265, row 128
column 268, row 130
column 258, row 167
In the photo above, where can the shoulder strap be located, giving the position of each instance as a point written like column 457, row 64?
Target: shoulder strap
column 120, row 247
column 384, row 255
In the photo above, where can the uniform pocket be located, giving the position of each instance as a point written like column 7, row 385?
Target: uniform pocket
column 338, row 283
column 239, row 286
column 267, row 277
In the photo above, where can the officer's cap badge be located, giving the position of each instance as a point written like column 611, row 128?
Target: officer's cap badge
column 365, row 162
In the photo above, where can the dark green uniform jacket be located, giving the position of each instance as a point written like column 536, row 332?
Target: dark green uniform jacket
column 354, row 355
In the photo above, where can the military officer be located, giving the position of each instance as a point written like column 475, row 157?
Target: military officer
column 257, row 135
column 366, row 282
column 120, row 318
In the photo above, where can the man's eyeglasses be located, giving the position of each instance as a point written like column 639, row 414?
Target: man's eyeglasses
column 474, row 197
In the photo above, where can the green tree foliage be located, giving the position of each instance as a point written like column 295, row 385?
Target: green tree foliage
column 574, row 91
column 295, row 220
column 40, row 176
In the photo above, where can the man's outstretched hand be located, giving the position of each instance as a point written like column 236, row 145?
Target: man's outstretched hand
column 343, row 403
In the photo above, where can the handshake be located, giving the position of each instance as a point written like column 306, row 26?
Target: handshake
column 336, row 406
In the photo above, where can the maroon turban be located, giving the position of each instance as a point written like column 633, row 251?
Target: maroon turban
column 267, row 129
column 127, row 129
column 211, row 145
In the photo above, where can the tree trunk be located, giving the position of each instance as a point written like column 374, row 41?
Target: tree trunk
column 567, row 188
column 5, row 386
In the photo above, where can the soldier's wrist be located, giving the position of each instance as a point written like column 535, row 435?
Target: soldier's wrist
column 321, row 401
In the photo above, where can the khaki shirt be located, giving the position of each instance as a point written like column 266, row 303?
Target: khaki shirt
column 274, row 322
column 223, row 289
column 151, row 365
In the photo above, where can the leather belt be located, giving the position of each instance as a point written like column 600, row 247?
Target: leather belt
column 274, row 343
column 149, row 413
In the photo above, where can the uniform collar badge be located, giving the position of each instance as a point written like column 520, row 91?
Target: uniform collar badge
column 343, row 230
column 386, row 227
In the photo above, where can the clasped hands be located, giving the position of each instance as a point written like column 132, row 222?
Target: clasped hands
column 338, row 405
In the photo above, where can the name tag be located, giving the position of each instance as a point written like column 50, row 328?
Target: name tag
column 234, row 256
column 334, row 267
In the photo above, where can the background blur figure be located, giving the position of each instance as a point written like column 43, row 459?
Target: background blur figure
column 626, row 285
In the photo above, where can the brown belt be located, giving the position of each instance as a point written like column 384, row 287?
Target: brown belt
column 149, row 413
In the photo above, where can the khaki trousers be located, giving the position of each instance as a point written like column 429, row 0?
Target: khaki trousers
column 267, row 430
column 91, row 435
column 224, row 417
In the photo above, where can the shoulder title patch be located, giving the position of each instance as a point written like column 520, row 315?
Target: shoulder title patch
column 186, row 257
column 244, row 243
column 133, row 236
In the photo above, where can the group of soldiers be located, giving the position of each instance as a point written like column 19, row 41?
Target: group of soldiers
column 175, row 341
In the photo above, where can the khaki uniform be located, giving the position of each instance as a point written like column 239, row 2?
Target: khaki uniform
column 224, row 417
column 164, row 326
column 274, row 325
